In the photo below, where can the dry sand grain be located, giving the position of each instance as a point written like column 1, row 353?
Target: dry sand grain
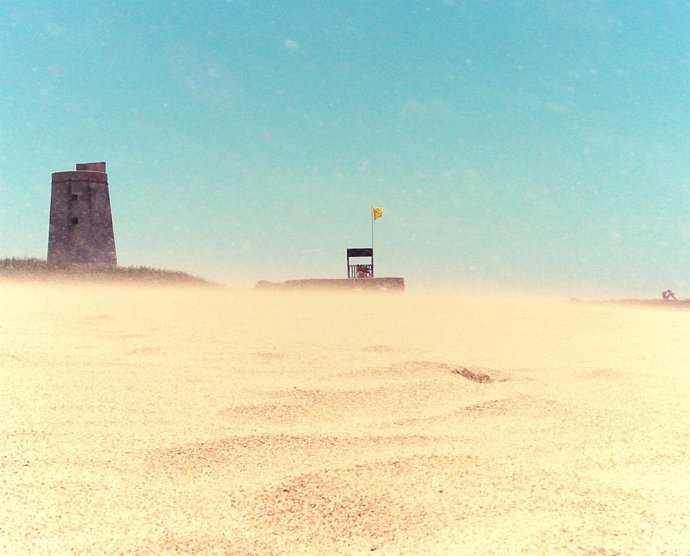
column 144, row 420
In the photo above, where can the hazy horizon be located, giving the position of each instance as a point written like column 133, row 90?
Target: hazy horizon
column 420, row 287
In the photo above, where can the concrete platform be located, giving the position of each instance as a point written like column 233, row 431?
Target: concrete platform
column 369, row 284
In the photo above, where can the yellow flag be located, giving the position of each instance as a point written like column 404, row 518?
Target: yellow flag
column 377, row 212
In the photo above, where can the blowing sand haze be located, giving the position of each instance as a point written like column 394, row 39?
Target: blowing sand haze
column 145, row 420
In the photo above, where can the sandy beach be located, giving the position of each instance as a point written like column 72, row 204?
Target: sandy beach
column 203, row 420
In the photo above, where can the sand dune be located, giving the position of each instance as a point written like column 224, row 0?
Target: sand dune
column 145, row 420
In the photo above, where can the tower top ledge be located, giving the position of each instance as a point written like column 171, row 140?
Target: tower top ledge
column 89, row 171
column 80, row 175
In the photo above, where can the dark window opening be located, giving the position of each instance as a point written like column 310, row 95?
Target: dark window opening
column 74, row 221
column 74, row 197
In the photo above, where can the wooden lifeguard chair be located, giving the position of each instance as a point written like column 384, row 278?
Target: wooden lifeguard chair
column 360, row 270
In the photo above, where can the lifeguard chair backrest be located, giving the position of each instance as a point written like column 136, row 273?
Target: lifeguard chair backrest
column 360, row 270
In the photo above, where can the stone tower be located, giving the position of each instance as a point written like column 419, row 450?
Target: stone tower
column 81, row 224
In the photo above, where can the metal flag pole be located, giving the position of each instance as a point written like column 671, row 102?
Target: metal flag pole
column 371, row 215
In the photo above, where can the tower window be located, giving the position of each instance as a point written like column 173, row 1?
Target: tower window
column 74, row 221
column 74, row 197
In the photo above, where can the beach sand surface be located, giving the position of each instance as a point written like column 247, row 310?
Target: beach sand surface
column 210, row 420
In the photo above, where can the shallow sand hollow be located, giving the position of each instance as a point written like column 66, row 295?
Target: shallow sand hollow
column 201, row 420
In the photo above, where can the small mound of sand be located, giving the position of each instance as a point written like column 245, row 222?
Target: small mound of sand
column 472, row 375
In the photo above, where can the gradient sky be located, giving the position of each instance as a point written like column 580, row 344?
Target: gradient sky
column 513, row 144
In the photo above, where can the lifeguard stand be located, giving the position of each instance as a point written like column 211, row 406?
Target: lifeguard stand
column 360, row 270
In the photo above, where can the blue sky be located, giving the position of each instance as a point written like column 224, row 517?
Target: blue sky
column 515, row 144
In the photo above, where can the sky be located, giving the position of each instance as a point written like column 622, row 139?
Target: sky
column 525, row 144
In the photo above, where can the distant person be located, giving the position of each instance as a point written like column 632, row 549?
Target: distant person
column 668, row 295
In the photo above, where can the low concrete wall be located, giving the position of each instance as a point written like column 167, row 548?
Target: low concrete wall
column 370, row 284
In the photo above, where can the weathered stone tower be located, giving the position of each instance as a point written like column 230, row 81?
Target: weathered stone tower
column 81, row 224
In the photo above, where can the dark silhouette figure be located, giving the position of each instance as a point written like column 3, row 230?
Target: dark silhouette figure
column 668, row 295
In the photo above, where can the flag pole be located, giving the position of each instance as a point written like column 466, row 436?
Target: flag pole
column 371, row 215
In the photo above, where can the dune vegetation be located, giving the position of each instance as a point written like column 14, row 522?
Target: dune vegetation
column 32, row 268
